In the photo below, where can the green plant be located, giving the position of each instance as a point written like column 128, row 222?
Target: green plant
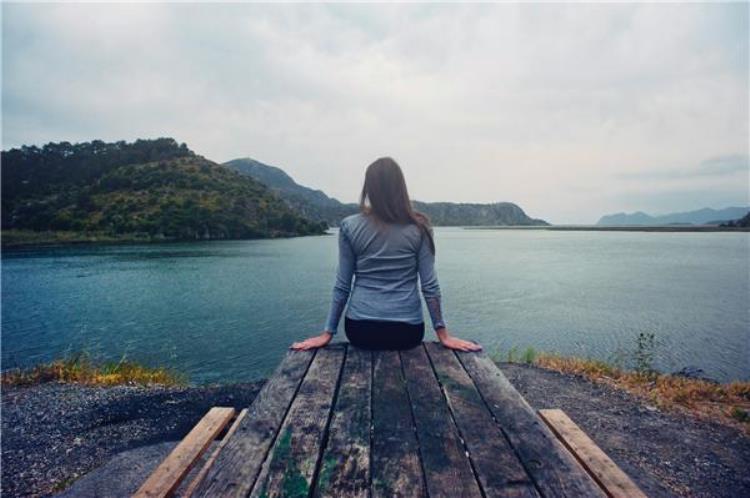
column 529, row 355
column 740, row 415
column 644, row 353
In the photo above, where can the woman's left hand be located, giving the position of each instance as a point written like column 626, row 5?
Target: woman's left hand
column 452, row 342
column 317, row 341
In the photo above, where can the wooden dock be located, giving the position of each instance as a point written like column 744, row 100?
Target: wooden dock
column 344, row 422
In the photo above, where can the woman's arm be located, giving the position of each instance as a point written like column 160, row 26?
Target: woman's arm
column 429, row 283
column 433, row 299
column 341, row 290
column 343, row 285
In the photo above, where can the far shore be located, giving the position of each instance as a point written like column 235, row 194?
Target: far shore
column 12, row 239
column 617, row 228
column 19, row 239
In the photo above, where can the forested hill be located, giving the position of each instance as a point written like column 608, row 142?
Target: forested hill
column 156, row 189
column 314, row 204
column 473, row 214
column 317, row 205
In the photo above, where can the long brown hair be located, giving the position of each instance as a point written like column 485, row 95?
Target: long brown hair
column 385, row 189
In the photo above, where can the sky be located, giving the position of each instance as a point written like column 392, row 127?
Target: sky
column 570, row 110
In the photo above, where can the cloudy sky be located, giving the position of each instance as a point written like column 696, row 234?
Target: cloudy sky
column 570, row 110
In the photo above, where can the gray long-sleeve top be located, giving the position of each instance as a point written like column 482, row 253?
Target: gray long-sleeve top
column 385, row 261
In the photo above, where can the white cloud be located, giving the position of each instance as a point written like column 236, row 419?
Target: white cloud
column 547, row 105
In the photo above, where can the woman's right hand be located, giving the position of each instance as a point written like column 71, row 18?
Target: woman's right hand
column 449, row 341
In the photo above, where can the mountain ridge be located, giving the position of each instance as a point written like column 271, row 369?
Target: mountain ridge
column 319, row 206
column 703, row 216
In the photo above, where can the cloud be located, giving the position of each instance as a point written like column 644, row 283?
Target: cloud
column 725, row 165
column 532, row 103
column 721, row 166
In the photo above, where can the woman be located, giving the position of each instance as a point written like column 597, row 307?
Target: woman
column 385, row 246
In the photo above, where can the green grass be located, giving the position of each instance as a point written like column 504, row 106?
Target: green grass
column 79, row 368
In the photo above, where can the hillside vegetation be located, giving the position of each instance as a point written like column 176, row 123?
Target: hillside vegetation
column 152, row 189
column 313, row 204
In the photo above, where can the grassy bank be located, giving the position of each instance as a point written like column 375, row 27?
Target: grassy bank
column 21, row 238
column 79, row 368
column 727, row 403
column 16, row 238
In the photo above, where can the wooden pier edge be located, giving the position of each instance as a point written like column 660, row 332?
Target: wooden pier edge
column 613, row 481
column 172, row 470
column 210, row 461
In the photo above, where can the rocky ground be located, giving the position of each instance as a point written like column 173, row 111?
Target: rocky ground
column 666, row 453
column 52, row 434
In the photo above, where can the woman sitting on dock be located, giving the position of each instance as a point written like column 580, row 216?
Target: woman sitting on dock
column 385, row 246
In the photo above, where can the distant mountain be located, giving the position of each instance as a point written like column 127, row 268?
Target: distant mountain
column 742, row 222
column 155, row 189
column 317, row 205
column 308, row 202
column 705, row 216
column 467, row 214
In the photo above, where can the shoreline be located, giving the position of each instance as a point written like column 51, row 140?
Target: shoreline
column 617, row 228
column 20, row 239
column 39, row 240
column 51, row 239
column 59, row 435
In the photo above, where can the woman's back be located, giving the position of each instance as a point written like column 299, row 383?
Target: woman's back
column 389, row 251
column 387, row 261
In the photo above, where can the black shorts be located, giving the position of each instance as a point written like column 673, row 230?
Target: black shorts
column 383, row 335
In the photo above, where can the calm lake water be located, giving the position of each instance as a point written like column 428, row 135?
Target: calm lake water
column 227, row 310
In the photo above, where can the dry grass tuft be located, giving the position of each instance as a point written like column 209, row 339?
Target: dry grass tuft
column 726, row 403
column 80, row 369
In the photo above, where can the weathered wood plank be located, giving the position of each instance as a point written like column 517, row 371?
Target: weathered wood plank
column 497, row 466
column 237, row 466
column 446, row 466
column 607, row 474
column 395, row 465
column 168, row 475
column 289, row 468
column 190, row 489
column 345, row 466
column 554, row 471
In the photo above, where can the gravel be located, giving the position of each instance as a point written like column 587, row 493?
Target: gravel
column 665, row 453
column 54, row 433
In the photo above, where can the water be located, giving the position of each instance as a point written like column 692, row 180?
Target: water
column 227, row 310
